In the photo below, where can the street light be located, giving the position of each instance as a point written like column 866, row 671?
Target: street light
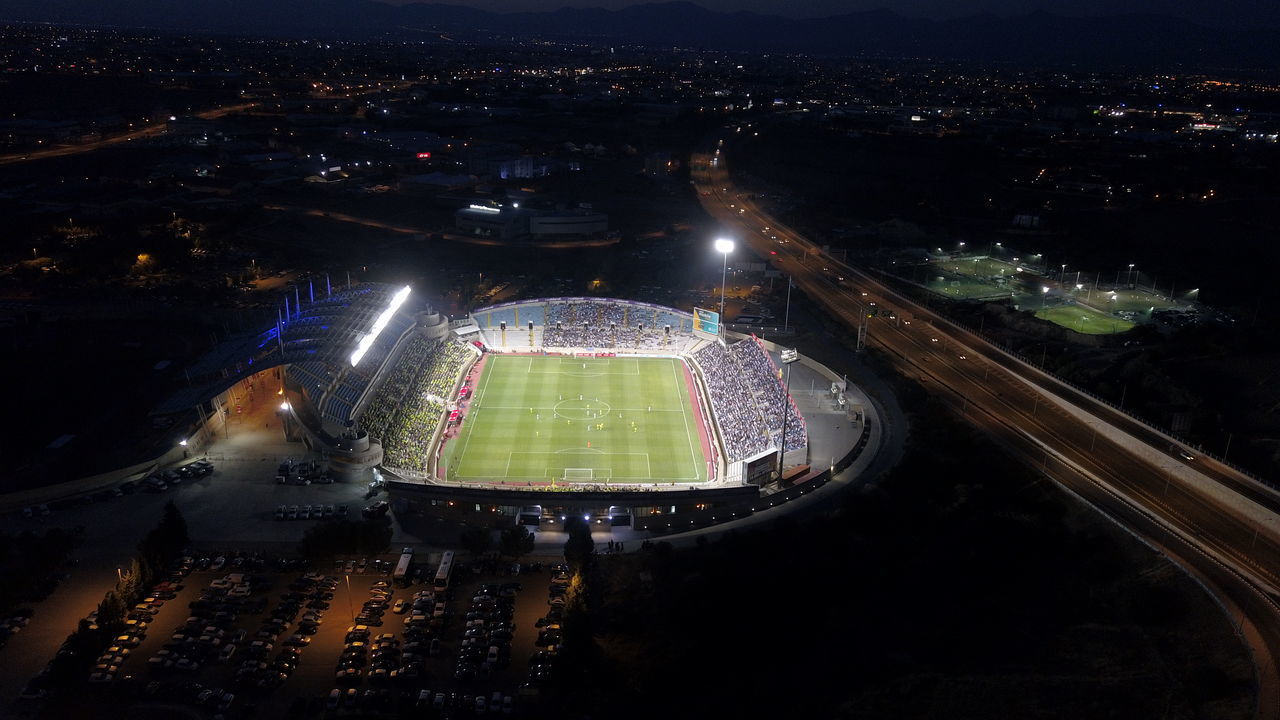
column 1044, row 294
column 724, row 246
column 788, row 357
column 1130, row 280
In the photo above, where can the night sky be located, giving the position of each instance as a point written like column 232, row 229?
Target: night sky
column 1232, row 13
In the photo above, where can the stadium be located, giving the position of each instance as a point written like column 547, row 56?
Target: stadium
column 614, row 409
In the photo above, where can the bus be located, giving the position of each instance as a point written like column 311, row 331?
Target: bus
column 445, row 571
column 404, row 567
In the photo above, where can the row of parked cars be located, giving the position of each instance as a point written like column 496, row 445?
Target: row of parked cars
column 311, row 512
column 542, row 662
column 156, row 482
column 486, row 638
column 162, row 481
column 208, row 634
column 363, row 565
column 447, row 704
column 244, row 561
column 308, row 596
column 139, row 618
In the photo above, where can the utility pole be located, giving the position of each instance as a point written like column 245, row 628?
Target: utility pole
column 788, row 357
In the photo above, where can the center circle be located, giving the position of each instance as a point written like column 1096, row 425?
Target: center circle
column 582, row 409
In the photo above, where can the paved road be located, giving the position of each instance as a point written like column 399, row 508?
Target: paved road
column 1152, row 492
column 152, row 130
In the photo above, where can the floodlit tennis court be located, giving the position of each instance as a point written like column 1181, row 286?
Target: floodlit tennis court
column 579, row 420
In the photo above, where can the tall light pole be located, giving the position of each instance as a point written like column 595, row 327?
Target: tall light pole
column 284, row 417
column 788, row 357
column 1130, row 280
column 724, row 246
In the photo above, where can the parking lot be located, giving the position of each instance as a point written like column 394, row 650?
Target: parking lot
column 236, row 505
column 251, row 639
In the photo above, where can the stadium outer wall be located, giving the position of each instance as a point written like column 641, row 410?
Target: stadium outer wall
column 649, row 508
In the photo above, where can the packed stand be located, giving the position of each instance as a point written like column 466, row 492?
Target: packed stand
column 388, row 397
column 591, row 324
column 410, row 428
column 762, row 380
column 741, row 425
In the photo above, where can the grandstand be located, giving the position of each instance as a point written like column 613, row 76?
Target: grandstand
column 586, row 324
column 325, row 333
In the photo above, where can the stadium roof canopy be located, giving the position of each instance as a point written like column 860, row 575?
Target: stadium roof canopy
column 322, row 334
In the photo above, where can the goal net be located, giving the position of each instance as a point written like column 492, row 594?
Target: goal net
column 577, row 475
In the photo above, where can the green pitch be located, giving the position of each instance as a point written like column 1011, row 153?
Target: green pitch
column 596, row 420
column 964, row 288
column 1132, row 300
column 1084, row 320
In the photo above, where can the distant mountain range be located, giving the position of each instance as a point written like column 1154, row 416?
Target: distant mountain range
column 1037, row 37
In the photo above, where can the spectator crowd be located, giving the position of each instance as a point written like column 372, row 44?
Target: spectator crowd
column 411, row 402
column 748, row 399
column 599, row 325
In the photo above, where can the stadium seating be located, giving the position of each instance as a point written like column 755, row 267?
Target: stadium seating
column 748, row 399
column 741, row 422
column 406, row 423
column 764, row 382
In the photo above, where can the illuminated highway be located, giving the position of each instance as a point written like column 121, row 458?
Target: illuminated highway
column 152, row 130
column 1200, row 522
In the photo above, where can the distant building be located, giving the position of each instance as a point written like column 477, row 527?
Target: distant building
column 512, row 223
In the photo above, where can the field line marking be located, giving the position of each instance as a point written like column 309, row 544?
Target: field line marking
column 484, row 385
column 553, row 408
column 684, row 396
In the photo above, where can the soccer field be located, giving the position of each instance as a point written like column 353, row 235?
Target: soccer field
column 594, row 420
column 1084, row 320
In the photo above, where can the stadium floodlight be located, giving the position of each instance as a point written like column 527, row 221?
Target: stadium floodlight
column 284, row 406
column 484, row 208
column 724, row 246
column 366, row 341
column 183, row 442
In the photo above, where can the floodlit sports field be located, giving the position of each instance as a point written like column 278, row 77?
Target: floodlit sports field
column 1084, row 320
column 590, row 420
column 962, row 287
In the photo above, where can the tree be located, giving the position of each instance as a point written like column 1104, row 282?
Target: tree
column 111, row 611
column 476, row 540
column 173, row 528
column 516, row 541
column 579, row 546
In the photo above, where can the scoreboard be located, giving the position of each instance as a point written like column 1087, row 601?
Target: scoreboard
column 706, row 322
